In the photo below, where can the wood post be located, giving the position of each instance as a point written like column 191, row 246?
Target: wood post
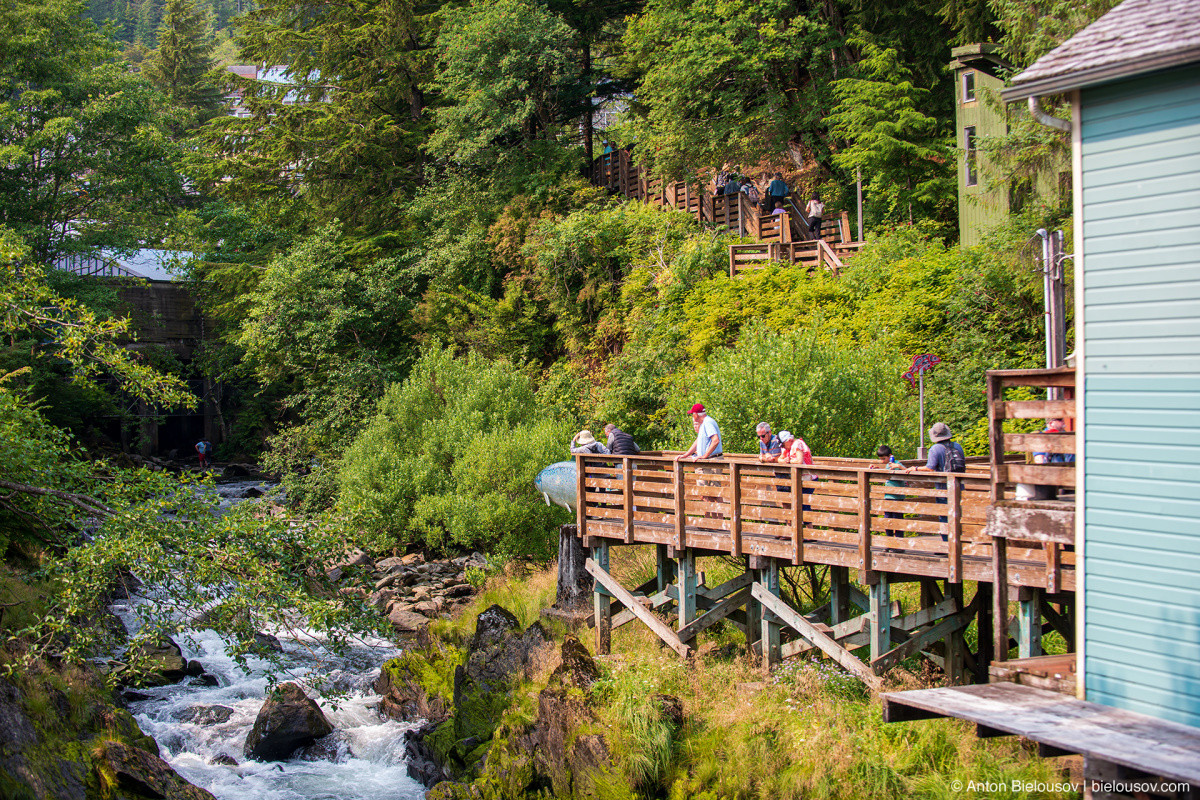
column 954, row 530
column 627, row 487
column 999, row 598
column 983, row 610
column 768, row 578
column 880, row 616
column 1029, row 622
column 687, row 587
column 864, row 526
column 602, row 609
column 839, row 594
column 680, row 507
column 797, row 516
column 955, row 646
column 581, row 499
column 735, row 508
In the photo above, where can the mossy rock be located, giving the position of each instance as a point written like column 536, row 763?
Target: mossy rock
column 419, row 684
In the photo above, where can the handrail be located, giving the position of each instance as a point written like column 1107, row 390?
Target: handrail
column 1044, row 477
column 924, row 523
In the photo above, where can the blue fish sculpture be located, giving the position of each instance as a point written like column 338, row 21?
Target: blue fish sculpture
column 557, row 483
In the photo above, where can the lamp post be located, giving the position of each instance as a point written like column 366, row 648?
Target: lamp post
column 916, row 377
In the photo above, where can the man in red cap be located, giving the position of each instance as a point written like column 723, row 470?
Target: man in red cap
column 708, row 437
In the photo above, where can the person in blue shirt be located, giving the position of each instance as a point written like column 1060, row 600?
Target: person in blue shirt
column 769, row 446
column 777, row 190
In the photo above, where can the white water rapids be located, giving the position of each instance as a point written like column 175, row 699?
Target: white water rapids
column 369, row 763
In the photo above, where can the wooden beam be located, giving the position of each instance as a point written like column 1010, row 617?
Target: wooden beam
column 645, row 615
column 714, row 615
column 881, row 618
column 580, row 502
column 921, row 640
column 797, row 516
column 864, row 525
column 806, row 629
column 999, row 598
column 840, row 633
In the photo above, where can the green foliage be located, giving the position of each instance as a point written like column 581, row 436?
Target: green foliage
column 1032, row 28
column 506, row 75
column 725, row 81
column 904, row 153
column 70, row 331
column 334, row 141
column 842, row 399
column 181, row 65
column 450, row 458
column 331, row 327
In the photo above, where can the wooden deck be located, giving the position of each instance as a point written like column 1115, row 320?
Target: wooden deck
column 1061, row 725
column 834, row 513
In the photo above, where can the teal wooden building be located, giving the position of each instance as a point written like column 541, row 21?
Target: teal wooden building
column 1133, row 81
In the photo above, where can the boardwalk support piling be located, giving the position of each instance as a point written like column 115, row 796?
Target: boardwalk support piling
column 768, row 579
column 881, row 616
column 1029, row 622
column 602, row 609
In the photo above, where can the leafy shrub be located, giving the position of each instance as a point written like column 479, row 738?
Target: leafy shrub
column 843, row 399
column 450, row 458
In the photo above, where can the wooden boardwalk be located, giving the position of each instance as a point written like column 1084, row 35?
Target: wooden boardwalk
column 833, row 513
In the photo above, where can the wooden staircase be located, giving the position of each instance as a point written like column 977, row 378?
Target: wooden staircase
column 778, row 237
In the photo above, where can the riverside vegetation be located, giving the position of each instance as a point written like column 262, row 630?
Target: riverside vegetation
column 413, row 298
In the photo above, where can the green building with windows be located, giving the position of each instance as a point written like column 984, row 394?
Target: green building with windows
column 986, row 195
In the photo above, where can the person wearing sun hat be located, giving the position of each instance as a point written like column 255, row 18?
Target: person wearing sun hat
column 946, row 455
column 584, row 442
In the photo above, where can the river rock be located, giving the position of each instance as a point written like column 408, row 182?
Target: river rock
column 406, row 621
column 328, row 748
column 421, row 593
column 128, row 770
column 412, row 558
column 459, row 590
column 265, row 643
column 287, row 720
column 426, row 608
column 382, row 598
column 162, row 663
column 499, row 655
column 223, row 760
column 421, row 759
column 206, row 715
column 386, row 564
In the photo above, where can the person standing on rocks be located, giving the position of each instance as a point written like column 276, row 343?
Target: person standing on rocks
column 204, row 451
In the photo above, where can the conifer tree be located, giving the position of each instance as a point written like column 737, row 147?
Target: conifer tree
column 181, row 65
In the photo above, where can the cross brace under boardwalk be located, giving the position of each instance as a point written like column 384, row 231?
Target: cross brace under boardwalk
column 753, row 603
column 1062, row 725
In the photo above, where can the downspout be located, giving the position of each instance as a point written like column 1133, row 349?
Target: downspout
column 1047, row 119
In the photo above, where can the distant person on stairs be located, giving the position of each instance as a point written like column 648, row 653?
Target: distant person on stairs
column 779, row 209
column 751, row 192
column 733, row 187
column 777, row 190
column 814, row 210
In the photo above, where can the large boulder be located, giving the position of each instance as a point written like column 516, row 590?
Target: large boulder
column 288, row 720
column 156, row 663
column 125, row 770
column 500, row 655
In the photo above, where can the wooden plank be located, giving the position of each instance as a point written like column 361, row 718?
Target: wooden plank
column 1042, row 474
column 580, row 504
column 809, row 631
column 1033, row 522
column 1040, row 442
column 927, row 615
column 1136, row 741
column 641, row 612
column 1053, row 566
column 1036, row 409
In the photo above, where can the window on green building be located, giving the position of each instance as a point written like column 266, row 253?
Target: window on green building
column 968, row 86
column 970, row 169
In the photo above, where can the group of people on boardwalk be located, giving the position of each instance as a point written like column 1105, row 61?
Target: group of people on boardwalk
column 775, row 201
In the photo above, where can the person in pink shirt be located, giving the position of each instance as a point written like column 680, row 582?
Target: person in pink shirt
column 795, row 450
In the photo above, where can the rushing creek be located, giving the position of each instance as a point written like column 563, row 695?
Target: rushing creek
column 196, row 725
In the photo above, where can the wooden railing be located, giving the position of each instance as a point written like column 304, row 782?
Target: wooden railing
column 1006, row 475
column 836, row 512
column 733, row 213
column 817, row 254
